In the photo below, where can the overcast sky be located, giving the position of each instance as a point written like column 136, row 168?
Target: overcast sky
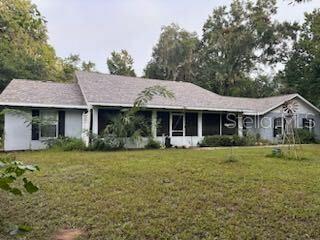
column 95, row 28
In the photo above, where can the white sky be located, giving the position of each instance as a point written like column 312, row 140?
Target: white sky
column 95, row 28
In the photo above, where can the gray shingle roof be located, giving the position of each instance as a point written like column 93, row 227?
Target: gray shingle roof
column 38, row 93
column 104, row 89
column 111, row 90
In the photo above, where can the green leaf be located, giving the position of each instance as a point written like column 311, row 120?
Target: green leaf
column 2, row 164
column 16, row 191
column 29, row 186
column 20, row 230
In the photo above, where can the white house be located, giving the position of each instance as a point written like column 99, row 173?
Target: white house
column 89, row 103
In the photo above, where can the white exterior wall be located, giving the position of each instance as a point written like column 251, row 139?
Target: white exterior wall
column 17, row 133
column 187, row 141
column 17, row 130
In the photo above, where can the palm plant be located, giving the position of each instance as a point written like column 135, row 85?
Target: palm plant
column 129, row 126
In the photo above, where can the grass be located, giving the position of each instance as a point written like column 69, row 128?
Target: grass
column 170, row 194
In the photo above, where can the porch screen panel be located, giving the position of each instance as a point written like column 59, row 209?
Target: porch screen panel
column 210, row 124
column 104, row 118
column 145, row 124
column 162, row 123
column 229, row 124
column 191, row 124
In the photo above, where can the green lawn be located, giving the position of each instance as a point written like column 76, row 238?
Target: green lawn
column 171, row 194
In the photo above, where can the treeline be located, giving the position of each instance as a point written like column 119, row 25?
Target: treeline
column 239, row 53
column 24, row 48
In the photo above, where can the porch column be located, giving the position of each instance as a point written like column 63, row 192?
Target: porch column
column 240, row 125
column 86, row 127
column 154, row 124
column 199, row 124
column 95, row 120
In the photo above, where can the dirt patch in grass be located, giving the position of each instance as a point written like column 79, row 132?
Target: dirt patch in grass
column 68, row 234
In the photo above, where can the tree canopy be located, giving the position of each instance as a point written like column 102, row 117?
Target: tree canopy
column 173, row 55
column 24, row 51
column 121, row 63
column 302, row 71
column 24, row 48
column 238, row 42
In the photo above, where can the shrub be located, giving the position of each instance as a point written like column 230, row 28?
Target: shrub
column 227, row 141
column 153, row 144
column 305, row 136
column 105, row 143
column 67, row 144
column 276, row 153
column 231, row 159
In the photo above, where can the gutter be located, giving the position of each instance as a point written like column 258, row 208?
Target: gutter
column 13, row 104
column 168, row 107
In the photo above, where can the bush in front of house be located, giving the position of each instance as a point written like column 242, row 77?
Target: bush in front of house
column 153, row 144
column 227, row 141
column 105, row 143
column 306, row 137
column 67, row 144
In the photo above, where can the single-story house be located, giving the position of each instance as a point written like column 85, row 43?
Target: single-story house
column 88, row 104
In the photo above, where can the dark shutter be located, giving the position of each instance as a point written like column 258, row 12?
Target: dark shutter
column 191, row 124
column 35, row 126
column 305, row 123
column 61, row 123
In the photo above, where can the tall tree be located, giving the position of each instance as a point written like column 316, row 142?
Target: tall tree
column 88, row 66
column 121, row 63
column 24, row 51
column 236, row 41
column 172, row 57
column 70, row 64
column 302, row 71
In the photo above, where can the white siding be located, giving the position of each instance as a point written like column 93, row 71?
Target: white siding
column 303, row 111
column 17, row 133
column 17, row 130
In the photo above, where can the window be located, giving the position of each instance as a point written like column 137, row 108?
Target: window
column 277, row 127
column 229, row 124
column 105, row 117
column 177, row 124
column 210, row 124
column 49, row 124
column 248, row 122
column 162, row 124
column 308, row 123
column 191, row 124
